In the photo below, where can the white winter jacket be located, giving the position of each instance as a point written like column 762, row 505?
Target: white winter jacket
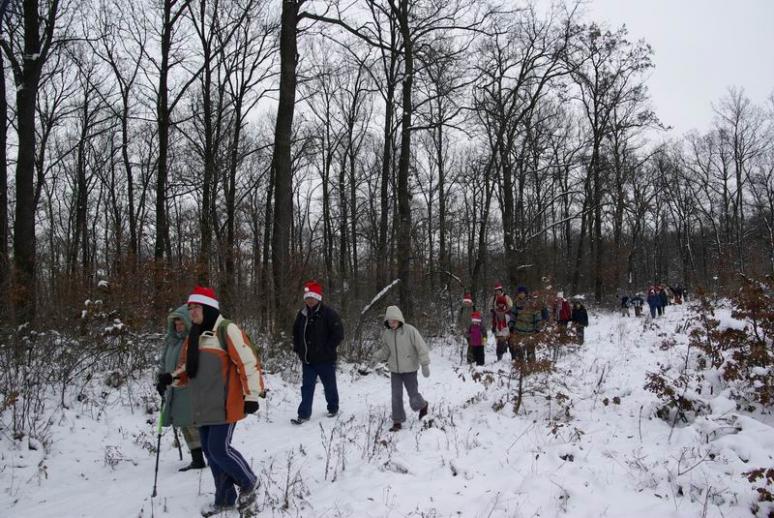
column 403, row 348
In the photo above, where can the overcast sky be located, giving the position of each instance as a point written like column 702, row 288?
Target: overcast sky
column 701, row 47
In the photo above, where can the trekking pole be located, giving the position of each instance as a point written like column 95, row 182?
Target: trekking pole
column 177, row 441
column 158, row 447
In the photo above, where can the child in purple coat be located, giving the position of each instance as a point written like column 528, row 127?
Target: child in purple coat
column 477, row 337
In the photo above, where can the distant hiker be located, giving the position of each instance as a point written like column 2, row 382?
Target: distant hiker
column 637, row 302
column 499, row 292
column 317, row 333
column 177, row 400
column 580, row 320
column 562, row 313
column 463, row 322
column 625, row 302
column 222, row 372
column 663, row 299
column 678, row 293
column 477, row 338
column 653, row 302
column 529, row 316
column 501, row 325
column 404, row 350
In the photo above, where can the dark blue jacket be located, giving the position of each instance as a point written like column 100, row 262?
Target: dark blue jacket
column 579, row 315
column 317, row 334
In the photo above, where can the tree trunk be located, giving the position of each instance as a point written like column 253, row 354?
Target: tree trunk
column 4, row 265
column 405, row 249
column 281, row 167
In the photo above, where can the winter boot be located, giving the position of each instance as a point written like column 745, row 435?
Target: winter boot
column 395, row 427
column 246, row 500
column 423, row 410
column 213, row 509
column 197, row 460
column 333, row 414
column 299, row 420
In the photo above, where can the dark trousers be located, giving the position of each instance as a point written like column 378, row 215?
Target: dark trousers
column 660, row 310
column 327, row 375
column 478, row 354
column 653, row 311
column 579, row 333
column 229, row 468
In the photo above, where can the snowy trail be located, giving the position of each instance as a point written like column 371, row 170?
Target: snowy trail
column 599, row 453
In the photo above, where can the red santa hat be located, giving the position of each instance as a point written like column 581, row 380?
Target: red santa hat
column 312, row 290
column 205, row 296
column 498, row 286
column 467, row 298
column 475, row 317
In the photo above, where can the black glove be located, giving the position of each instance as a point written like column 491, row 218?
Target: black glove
column 162, row 382
column 251, row 407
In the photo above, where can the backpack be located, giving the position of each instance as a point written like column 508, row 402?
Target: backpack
column 221, row 332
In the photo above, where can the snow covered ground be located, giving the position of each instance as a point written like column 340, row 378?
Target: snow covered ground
column 593, row 449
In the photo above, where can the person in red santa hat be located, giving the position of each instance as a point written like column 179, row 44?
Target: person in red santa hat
column 223, row 376
column 463, row 321
column 500, row 292
column 477, row 337
column 317, row 332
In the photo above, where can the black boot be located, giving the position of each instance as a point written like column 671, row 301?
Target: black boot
column 197, row 460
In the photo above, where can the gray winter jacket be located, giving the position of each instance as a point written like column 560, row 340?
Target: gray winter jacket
column 403, row 348
column 178, row 400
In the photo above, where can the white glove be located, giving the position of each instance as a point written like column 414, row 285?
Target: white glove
column 426, row 370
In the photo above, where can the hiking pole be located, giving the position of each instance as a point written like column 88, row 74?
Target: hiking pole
column 177, row 441
column 158, row 448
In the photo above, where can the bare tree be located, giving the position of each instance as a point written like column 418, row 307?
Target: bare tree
column 30, row 37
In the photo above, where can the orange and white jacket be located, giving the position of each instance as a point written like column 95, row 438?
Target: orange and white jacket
column 226, row 377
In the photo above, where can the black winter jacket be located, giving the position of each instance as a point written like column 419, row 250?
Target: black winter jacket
column 580, row 316
column 317, row 334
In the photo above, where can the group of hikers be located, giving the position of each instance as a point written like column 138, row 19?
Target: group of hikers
column 210, row 378
column 659, row 297
column 517, row 325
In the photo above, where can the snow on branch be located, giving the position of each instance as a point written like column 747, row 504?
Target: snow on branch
column 378, row 296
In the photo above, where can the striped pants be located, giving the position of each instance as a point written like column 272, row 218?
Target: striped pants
column 229, row 468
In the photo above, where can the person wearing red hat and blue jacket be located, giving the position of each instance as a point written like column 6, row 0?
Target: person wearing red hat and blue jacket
column 317, row 332
column 223, row 376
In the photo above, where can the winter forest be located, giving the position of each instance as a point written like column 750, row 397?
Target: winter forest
column 397, row 152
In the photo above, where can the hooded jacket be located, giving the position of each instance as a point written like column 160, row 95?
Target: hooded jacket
column 403, row 348
column 226, row 377
column 178, row 400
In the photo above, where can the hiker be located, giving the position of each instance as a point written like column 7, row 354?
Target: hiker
column 580, row 319
column 625, row 303
column 637, row 303
column 477, row 338
column 501, row 325
column 223, row 374
column 499, row 292
column 529, row 315
column 463, row 322
column 404, row 350
column 317, row 333
column 653, row 302
column 177, row 400
column 562, row 312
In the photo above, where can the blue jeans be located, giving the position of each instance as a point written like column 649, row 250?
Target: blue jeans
column 228, row 466
column 327, row 374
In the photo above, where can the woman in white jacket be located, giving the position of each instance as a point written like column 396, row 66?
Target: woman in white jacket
column 405, row 350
